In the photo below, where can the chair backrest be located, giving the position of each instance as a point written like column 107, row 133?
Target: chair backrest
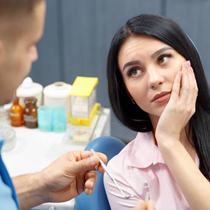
column 110, row 146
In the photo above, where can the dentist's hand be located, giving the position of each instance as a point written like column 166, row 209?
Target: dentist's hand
column 64, row 179
column 144, row 205
column 71, row 174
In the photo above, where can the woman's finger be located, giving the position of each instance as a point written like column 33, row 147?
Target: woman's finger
column 193, row 90
column 185, row 84
column 176, row 87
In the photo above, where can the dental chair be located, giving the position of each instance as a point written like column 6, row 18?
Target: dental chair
column 110, row 146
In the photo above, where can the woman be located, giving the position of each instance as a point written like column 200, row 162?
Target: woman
column 154, row 74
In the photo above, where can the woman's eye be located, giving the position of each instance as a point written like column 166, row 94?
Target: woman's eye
column 134, row 72
column 164, row 58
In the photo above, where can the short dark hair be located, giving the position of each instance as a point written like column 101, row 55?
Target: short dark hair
column 12, row 7
column 14, row 15
column 169, row 32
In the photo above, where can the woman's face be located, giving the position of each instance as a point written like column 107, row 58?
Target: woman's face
column 149, row 67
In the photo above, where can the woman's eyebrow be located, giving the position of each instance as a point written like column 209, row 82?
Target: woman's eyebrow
column 152, row 56
column 160, row 51
column 131, row 63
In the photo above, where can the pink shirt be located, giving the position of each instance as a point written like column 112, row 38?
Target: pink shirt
column 139, row 168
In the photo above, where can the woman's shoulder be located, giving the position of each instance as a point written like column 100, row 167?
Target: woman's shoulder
column 122, row 159
column 129, row 155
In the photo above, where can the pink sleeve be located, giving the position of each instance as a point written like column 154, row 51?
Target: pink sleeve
column 116, row 199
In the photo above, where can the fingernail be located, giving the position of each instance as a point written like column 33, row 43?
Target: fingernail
column 92, row 160
column 187, row 64
column 91, row 184
column 89, row 191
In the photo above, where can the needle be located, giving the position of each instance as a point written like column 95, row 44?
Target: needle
column 111, row 176
column 147, row 197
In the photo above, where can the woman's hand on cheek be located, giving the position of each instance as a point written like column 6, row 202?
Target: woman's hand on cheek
column 180, row 107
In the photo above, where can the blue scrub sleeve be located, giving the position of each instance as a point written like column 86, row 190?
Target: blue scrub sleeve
column 8, row 197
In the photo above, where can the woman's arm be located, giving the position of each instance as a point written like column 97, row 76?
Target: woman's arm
column 178, row 111
column 194, row 186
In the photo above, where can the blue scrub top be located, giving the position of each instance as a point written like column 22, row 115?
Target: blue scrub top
column 8, row 197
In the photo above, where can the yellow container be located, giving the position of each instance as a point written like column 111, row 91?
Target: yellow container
column 83, row 101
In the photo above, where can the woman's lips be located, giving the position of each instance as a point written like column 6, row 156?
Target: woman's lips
column 162, row 98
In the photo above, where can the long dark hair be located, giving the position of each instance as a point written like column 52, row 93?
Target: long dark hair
column 169, row 32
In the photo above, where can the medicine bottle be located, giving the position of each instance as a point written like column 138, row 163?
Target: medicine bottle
column 16, row 113
column 30, row 112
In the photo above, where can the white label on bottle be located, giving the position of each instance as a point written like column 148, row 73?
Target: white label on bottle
column 14, row 114
column 29, row 118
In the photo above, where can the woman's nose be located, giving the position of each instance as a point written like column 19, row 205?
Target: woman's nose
column 155, row 78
